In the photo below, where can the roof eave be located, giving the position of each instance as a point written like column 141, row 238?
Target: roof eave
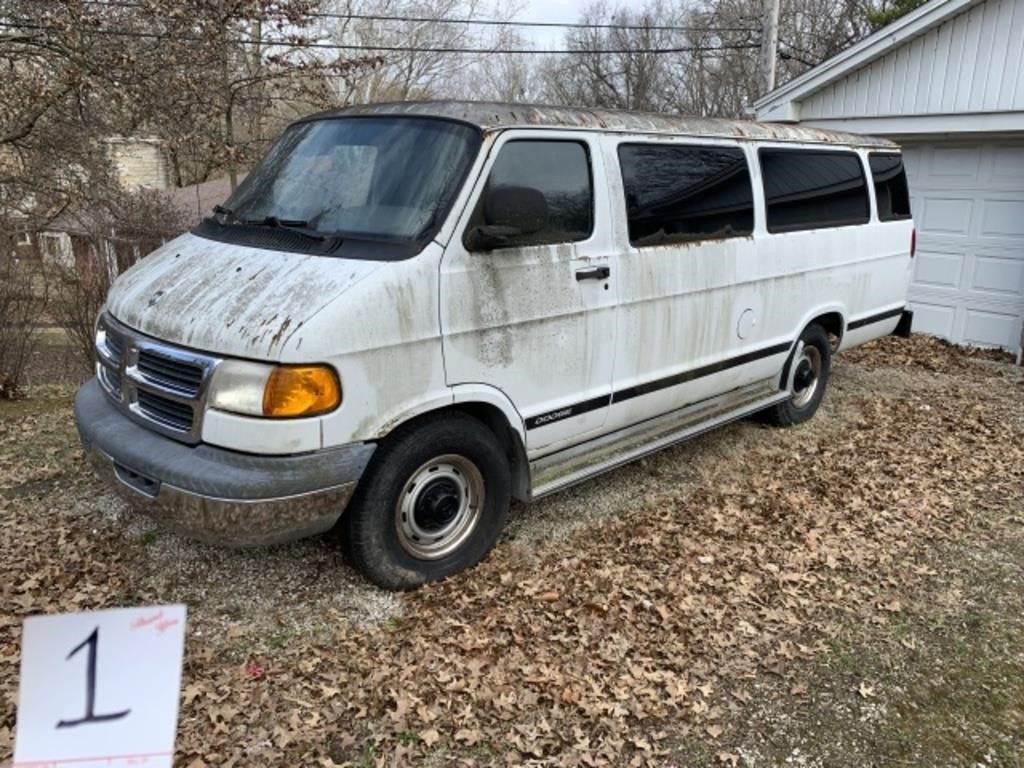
column 915, row 23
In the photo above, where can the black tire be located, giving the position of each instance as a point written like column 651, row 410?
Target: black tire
column 803, row 404
column 378, row 532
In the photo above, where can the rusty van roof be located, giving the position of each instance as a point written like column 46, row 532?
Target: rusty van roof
column 495, row 116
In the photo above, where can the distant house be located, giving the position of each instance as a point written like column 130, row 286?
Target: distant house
column 947, row 82
column 139, row 162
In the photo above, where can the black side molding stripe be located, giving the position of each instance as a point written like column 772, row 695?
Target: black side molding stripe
column 682, row 407
column 568, row 411
column 680, row 378
column 646, row 388
column 855, row 324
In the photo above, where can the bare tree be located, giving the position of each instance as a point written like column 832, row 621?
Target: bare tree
column 616, row 67
column 206, row 81
column 404, row 74
column 511, row 77
column 237, row 62
column 424, row 50
column 690, row 58
column 719, row 75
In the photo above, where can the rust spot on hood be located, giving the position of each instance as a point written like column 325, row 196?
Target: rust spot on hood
column 276, row 338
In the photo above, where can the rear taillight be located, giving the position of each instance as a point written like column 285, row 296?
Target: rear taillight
column 913, row 242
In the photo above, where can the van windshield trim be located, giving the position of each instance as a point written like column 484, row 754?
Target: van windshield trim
column 386, row 217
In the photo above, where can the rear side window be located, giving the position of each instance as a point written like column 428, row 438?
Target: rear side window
column 808, row 189
column 679, row 194
column 560, row 170
column 890, row 180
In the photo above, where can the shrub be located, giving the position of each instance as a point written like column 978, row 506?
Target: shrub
column 78, row 296
column 124, row 230
column 23, row 299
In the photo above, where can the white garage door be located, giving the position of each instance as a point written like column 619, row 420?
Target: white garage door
column 968, row 203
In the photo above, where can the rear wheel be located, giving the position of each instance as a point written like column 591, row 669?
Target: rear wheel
column 432, row 503
column 809, row 372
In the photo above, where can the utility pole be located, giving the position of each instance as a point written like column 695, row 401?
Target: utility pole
column 769, row 44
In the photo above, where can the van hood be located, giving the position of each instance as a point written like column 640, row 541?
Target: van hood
column 226, row 299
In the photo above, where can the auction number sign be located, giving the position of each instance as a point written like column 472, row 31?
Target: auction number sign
column 100, row 689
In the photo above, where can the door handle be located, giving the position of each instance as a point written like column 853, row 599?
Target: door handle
column 593, row 273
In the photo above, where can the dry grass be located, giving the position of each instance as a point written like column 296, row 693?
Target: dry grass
column 843, row 593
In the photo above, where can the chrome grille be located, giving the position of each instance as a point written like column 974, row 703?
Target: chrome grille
column 157, row 384
column 169, row 413
column 110, row 379
column 116, row 350
column 166, row 371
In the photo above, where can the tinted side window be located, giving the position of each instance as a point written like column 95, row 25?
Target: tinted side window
column 807, row 189
column 677, row 194
column 560, row 170
column 890, row 180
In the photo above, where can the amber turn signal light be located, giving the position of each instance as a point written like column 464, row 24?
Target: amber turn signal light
column 301, row 390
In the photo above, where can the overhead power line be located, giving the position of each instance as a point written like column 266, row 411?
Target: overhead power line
column 480, row 22
column 405, row 48
column 542, row 24
column 390, row 48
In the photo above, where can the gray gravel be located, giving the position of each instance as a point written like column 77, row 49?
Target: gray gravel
column 289, row 589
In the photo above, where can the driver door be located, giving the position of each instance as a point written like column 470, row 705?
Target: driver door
column 535, row 315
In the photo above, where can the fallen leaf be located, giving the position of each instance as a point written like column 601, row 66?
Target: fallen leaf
column 430, row 736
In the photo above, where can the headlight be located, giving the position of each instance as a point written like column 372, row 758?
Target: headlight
column 282, row 391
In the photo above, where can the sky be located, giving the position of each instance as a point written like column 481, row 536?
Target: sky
column 549, row 10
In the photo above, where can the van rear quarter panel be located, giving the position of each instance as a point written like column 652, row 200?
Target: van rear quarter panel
column 856, row 270
column 680, row 305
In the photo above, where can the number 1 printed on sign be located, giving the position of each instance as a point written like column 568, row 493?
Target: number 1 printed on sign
column 90, row 686
column 126, row 662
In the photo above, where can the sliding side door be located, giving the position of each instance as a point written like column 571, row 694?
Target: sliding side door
column 690, row 312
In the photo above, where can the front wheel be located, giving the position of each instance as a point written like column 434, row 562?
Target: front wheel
column 808, row 373
column 432, row 503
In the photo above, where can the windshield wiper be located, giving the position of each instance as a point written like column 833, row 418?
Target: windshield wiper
column 298, row 226
column 221, row 215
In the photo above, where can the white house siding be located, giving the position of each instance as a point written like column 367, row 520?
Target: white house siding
column 973, row 62
column 947, row 82
column 139, row 163
column 968, row 204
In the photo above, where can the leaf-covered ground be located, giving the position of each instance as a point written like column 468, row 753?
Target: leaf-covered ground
column 845, row 593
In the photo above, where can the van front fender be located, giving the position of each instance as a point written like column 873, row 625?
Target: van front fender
column 485, row 393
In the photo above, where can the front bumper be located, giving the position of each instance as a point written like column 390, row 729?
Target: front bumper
column 213, row 494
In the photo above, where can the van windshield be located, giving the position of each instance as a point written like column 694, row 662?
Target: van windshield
column 389, row 178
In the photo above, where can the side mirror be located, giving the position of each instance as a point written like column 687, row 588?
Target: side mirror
column 508, row 213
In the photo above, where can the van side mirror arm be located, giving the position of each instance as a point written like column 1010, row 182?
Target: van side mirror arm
column 490, row 236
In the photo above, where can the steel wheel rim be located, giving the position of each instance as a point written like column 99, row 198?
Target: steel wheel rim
column 807, row 375
column 439, row 507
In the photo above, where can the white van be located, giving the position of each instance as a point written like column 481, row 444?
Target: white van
column 409, row 314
